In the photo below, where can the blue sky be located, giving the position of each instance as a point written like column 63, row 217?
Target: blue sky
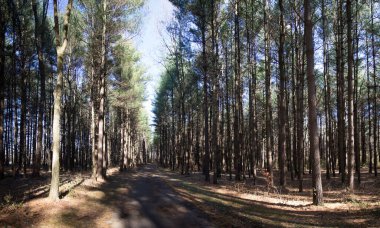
column 150, row 43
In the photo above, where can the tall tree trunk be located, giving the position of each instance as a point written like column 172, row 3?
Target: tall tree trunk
column 294, row 103
column 15, row 120
column 340, row 95
column 350, row 101
column 23, row 151
column 268, row 104
column 326, row 77
column 300, row 102
column 215, row 95
column 252, row 150
column 228, row 115
column 312, row 101
column 281, row 111
column 100, row 173
column 369, row 107
column 206, row 160
column 54, row 188
column 238, row 104
column 357, row 103
column 375, row 158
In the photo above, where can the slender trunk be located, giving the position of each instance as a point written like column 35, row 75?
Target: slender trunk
column 215, row 94
column 312, row 101
column 375, row 158
column 300, row 107
column 281, row 111
column 340, row 95
column 228, row 116
column 54, row 188
column 357, row 120
column 326, row 78
column 294, row 104
column 268, row 105
column 122, row 138
column 206, row 160
column 23, row 133
column 100, row 173
column 238, row 101
column 369, row 108
column 350, row 101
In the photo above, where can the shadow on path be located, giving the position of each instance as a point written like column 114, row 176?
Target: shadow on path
column 142, row 199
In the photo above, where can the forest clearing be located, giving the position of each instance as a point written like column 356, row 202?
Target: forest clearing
column 189, row 113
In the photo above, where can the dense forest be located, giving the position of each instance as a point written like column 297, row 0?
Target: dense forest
column 262, row 108
column 285, row 85
column 72, row 88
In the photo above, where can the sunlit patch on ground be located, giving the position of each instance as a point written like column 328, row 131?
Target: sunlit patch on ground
column 233, row 203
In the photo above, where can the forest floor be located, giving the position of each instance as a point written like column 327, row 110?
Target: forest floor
column 245, row 204
column 135, row 198
column 153, row 197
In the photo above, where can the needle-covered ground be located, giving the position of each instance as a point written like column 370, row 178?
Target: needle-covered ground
column 153, row 197
column 139, row 198
column 245, row 204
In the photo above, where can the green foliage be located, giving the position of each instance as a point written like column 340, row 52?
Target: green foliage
column 128, row 81
column 127, row 87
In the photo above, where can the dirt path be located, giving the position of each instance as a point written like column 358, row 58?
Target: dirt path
column 139, row 198
column 150, row 202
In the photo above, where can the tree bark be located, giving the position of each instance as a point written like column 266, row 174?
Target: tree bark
column 375, row 158
column 312, row 101
column 268, row 104
column 357, row 103
column 100, row 173
column 206, row 160
column 54, row 188
column 340, row 95
column 215, row 96
column 281, row 111
column 350, row 101
column 238, row 104
column 369, row 108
